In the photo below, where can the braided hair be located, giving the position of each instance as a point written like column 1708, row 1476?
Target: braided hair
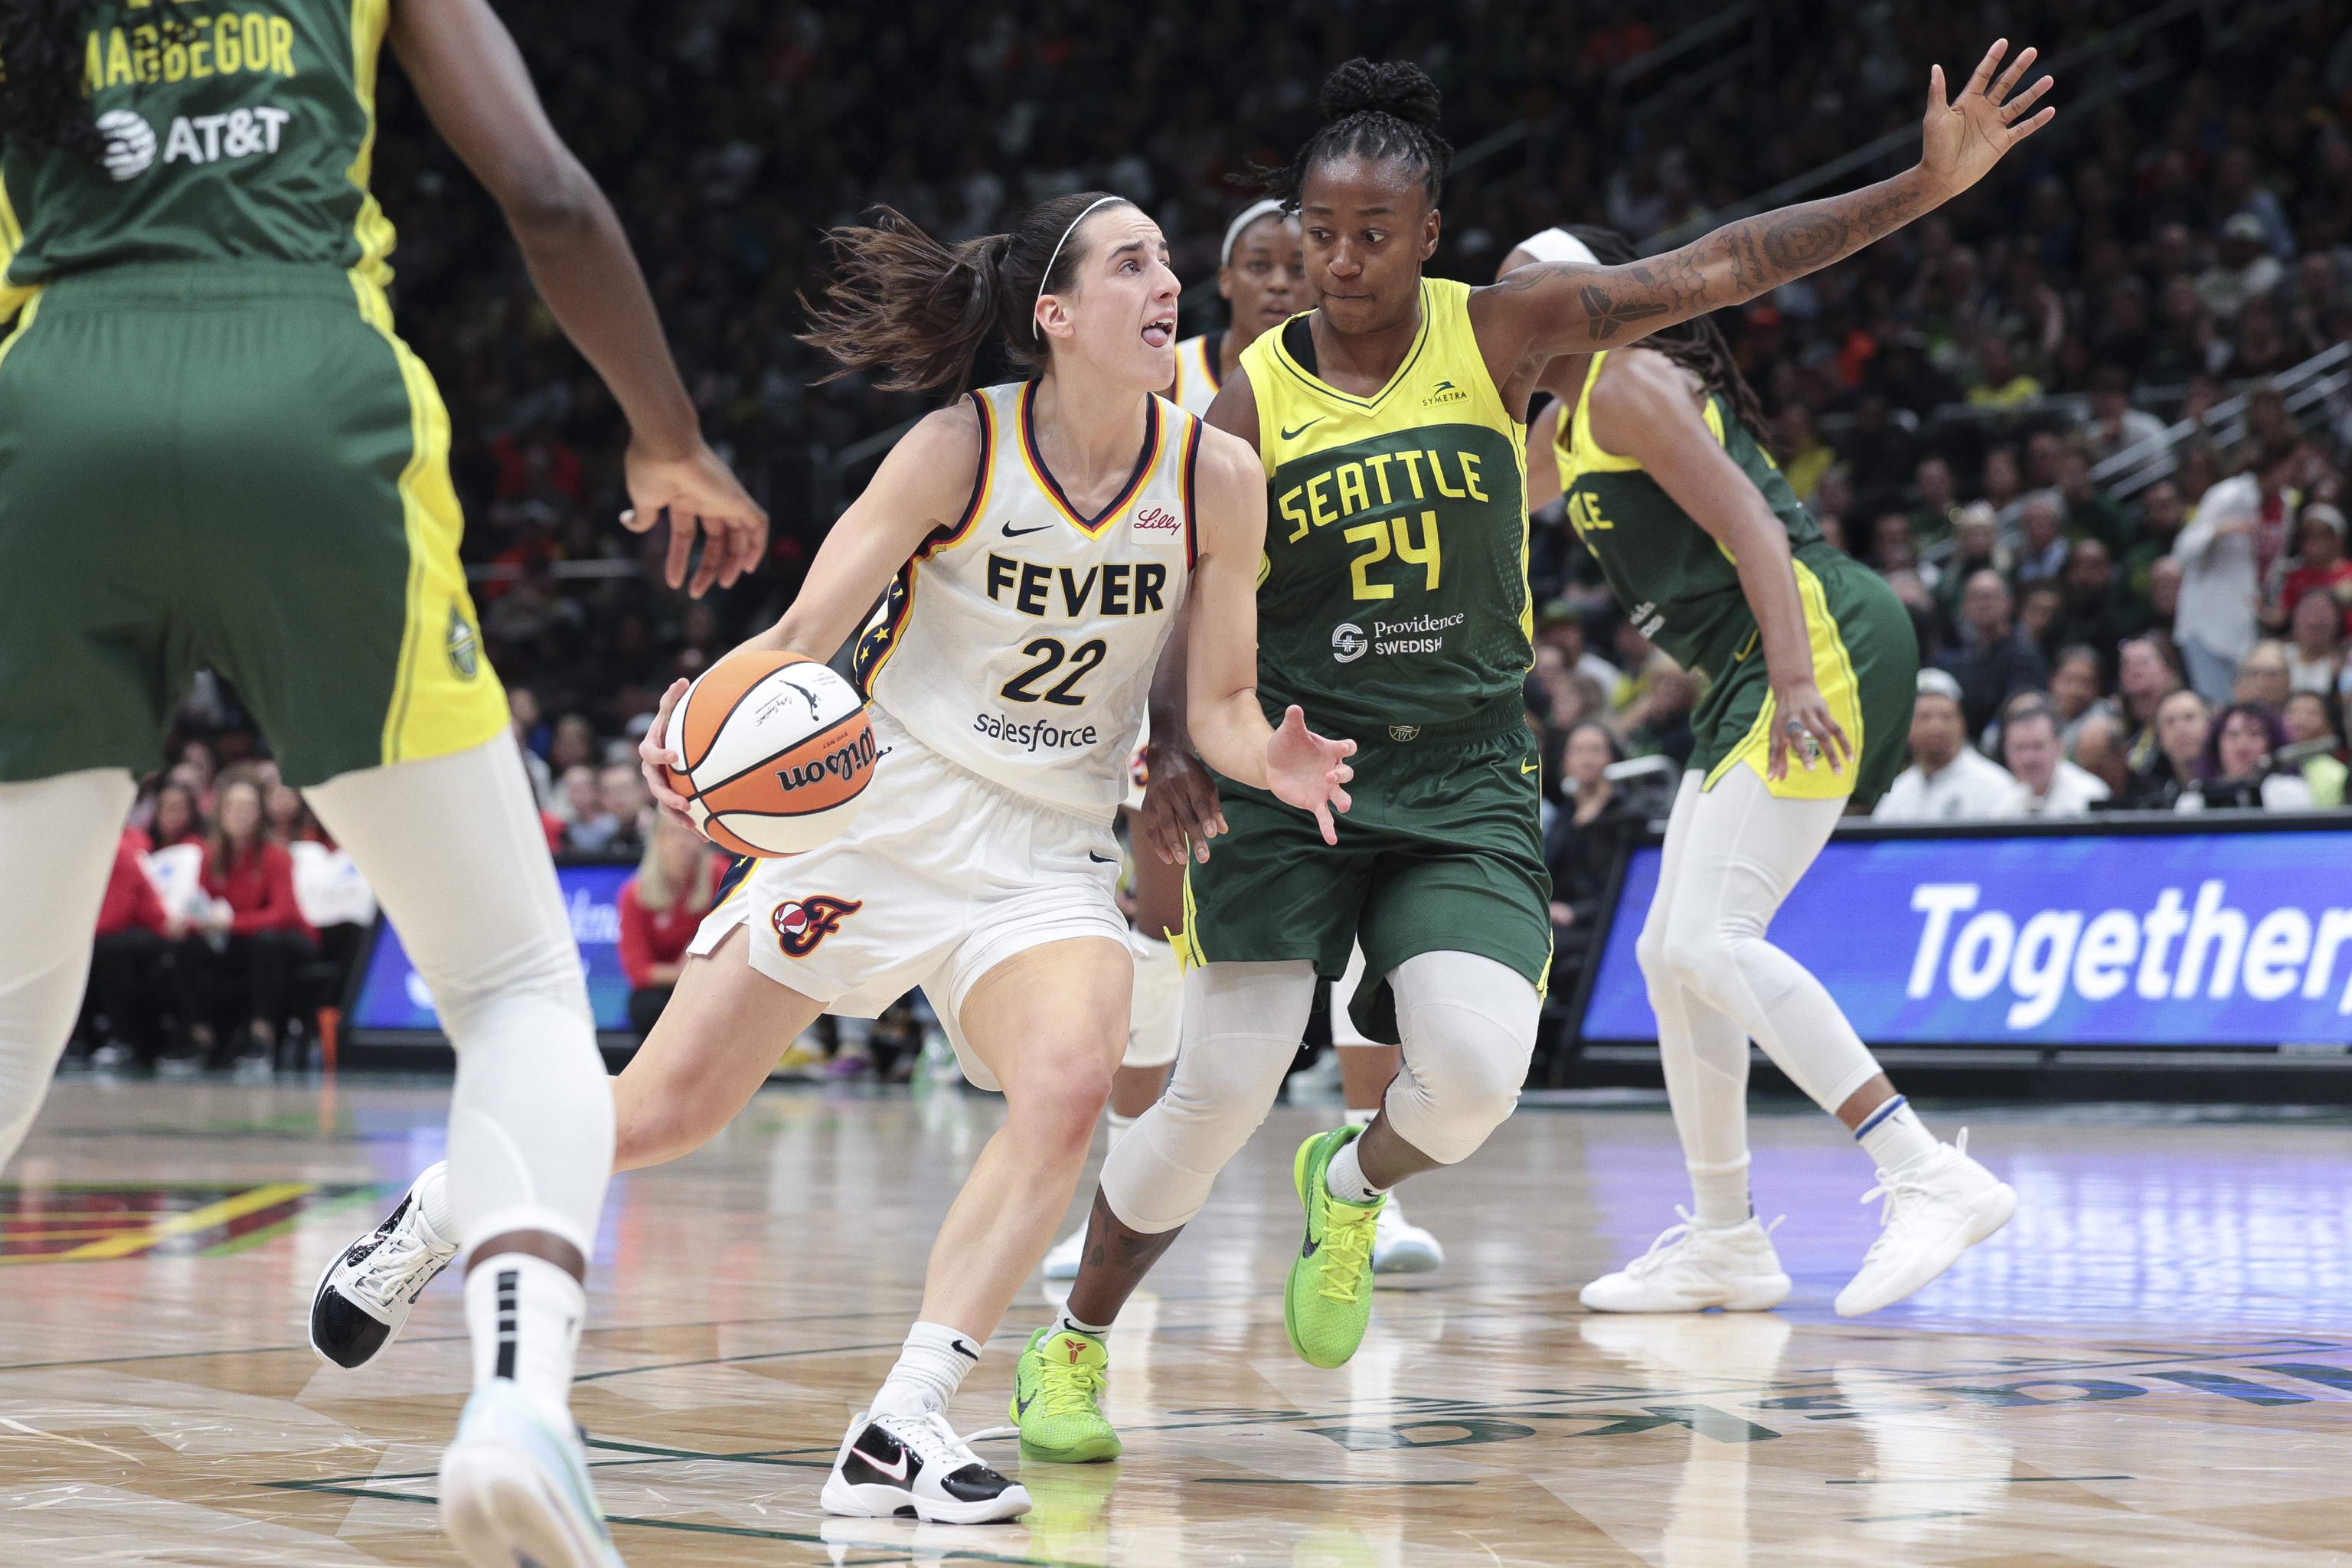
column 1698, row 345
column 41, row 101
column 1384, row 112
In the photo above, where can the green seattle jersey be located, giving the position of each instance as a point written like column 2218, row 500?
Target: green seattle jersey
column 234, row 130
column 1392, row 601
column 1681, row 588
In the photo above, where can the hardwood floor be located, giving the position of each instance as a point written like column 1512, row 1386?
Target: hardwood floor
column 2150, row 1366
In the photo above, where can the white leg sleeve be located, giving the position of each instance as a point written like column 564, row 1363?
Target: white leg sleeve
column 1703, row 1051
column 1152, row 1027
column 1344, row 1031
column 453, row 848
column 57, row 848
column 1745, row 849
column 1242, row 1027
column 1469, row 1028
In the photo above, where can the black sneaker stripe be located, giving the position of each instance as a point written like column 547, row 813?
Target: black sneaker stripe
column 509, row 1279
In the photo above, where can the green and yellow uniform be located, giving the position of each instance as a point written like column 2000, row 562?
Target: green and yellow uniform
column 1682, row 590
column 1393, row 606
column 213, row 451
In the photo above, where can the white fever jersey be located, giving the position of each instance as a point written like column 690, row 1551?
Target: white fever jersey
column 1020, row 643
column 1196, row 374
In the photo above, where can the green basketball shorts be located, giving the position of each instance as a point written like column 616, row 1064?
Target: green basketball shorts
column 1442, row 851
column 235, row 465
column 1866, row 663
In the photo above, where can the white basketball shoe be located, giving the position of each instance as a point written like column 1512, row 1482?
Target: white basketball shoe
column 1400, row 1247
column 1692, row 1267
column 1062, row 1262
column 1937, row 1207
column 366, row 1290
column 915, row 1466
column 515, row 1490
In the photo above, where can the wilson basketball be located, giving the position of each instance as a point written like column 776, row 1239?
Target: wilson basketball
column 778, row 752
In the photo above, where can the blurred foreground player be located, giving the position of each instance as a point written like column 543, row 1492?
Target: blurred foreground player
column 215, row 452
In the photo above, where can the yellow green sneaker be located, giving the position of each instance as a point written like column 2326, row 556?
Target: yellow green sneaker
column 1329, row 1303
column 1058, row 1399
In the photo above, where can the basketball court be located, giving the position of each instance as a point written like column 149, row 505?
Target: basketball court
column 2150, row 1365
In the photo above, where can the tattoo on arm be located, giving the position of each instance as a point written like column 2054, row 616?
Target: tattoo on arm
column 1734, row 264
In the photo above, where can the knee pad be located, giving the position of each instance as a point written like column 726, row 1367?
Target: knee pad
column 1152, row 1024
column 1242, row 1023
column 1469, row 1027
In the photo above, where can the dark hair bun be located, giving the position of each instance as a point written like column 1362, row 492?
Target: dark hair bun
column 1395, row 88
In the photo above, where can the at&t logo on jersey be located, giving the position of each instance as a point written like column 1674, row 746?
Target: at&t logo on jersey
column 239, row 133
column 801, row 925
column 129, row 143
column 1349, row 642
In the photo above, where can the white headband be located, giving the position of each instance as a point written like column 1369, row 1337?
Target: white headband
column 1250, row 215
column 1559, row 245
column 1036, row 328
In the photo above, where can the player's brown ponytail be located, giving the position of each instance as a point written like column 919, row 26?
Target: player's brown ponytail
column 919, row 312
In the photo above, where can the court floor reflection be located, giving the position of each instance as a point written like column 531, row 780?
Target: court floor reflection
column 2149, row 1366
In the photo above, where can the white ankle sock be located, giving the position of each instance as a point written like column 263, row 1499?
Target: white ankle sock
column 931, row 1367
column 1363, row 1117
column 1719, row 1193
column 1893, row 1135
column 432, row 1202
column 1063, row 1321
column 1344, row 1177
column 1119, row 1125
column 524, row 1314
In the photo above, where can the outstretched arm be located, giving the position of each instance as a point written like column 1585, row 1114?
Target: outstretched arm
column 1228, row 727
column 472, row 82
column 1538, row 313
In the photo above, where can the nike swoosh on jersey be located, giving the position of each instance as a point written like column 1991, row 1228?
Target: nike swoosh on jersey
column 1100, row 859
column 1529, row 767
column 1012, row 532
column 1294, row 435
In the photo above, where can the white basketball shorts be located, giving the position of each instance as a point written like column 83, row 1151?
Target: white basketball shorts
column 940, row 879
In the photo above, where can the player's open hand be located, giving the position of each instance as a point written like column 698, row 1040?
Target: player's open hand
column 700, row 494
column 1965, row 137
column 655, row 759
column 1181, row 809
column 1306, row 771
column 1803, row 728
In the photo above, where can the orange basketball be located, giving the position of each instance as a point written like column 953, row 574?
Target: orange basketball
column 778, row 752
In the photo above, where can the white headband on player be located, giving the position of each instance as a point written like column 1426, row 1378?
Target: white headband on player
column 1559, row 245
column 1250, row 215
column 1037, row 328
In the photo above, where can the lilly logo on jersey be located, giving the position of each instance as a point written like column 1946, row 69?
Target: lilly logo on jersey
column 1151, row 520
column 801, row 925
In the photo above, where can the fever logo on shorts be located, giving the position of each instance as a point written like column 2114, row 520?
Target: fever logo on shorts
column 801, row 926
